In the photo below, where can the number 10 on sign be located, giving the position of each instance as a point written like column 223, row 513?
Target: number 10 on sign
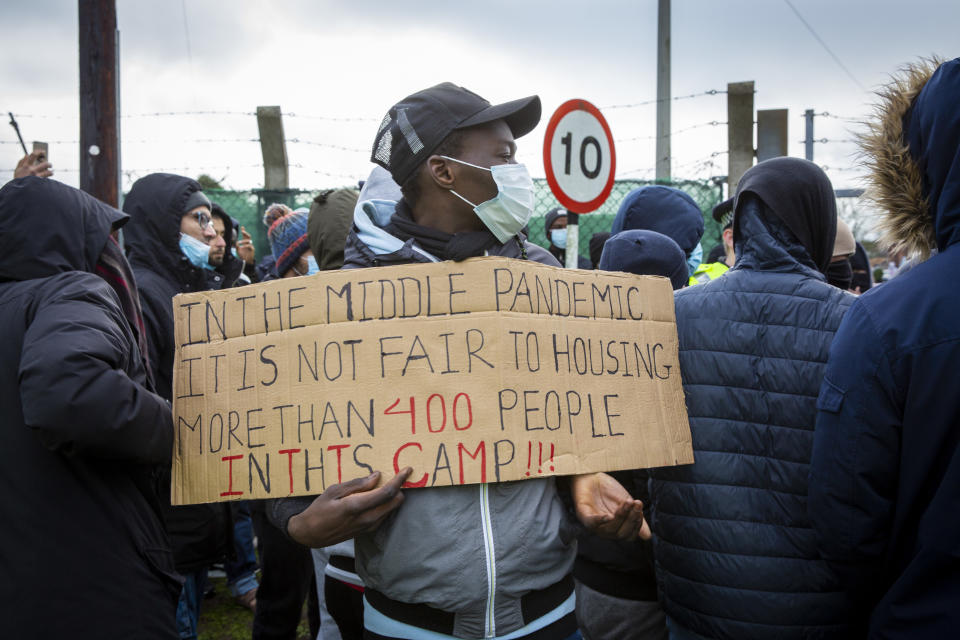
column 579, row 156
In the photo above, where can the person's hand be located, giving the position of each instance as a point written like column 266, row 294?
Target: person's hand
column 347, row 509
column 245, row 247
column 606, row 508
column 30, row 165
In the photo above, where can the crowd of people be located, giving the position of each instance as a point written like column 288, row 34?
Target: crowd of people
column 824, row 501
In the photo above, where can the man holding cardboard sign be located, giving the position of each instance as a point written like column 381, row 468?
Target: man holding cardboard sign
column 481, row 372
column 443, row 145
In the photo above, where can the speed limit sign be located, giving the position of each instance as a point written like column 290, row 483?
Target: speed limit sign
column 579, row 157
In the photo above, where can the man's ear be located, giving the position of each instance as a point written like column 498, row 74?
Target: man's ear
column 441, row 172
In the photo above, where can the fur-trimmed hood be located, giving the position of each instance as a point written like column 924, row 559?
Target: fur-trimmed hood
column 912, row 149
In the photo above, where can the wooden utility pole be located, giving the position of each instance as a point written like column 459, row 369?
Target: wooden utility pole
column 99, row 88
column 663, row 91
column 739, row 131
column 276, row 173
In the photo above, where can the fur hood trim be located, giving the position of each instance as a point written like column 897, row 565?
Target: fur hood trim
column 895, row 182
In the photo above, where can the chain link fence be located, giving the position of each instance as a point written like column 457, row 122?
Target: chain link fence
column 248, row 208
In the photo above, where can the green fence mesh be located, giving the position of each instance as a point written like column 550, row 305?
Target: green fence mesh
column 248, row 208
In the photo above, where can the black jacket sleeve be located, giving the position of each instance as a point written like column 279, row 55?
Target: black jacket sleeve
column 74, row 383
column 280, row 510
column 156, row 300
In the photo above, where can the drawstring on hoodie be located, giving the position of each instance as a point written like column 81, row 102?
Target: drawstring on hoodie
column 523, row 248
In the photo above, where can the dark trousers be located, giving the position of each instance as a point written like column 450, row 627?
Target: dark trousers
column 345, row 605
column 286, row 572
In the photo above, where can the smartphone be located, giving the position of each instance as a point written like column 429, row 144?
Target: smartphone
column 40, row 149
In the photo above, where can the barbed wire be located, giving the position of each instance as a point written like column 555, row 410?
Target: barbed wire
column 153, row 141
column 211, row 140
column 188, row 140
column 829, row 140
column 327, row 173
column 16, row 142
column 191, row 170
column 712, row 123
column 827, row 167
column 678, row 166
column 158, row 114
column 327, row 145
column 212, row 112
column 711, row 92
column 827, row 114
column 307, row 116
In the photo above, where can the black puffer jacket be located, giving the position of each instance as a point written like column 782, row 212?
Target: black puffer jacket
column 82, row 548
column 201, row 534
column 736, row 554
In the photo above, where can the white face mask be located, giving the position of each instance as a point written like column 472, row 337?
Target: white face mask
column 509, row 211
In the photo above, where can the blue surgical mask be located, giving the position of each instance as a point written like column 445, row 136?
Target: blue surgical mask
column 312, row 267
column 509, row 211
column 559, row 238
column 198, row 253
column 696, row 257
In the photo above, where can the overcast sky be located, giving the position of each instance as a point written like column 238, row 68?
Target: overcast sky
column 353, row 60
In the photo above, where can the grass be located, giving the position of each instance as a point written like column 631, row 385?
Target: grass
column 221, row 618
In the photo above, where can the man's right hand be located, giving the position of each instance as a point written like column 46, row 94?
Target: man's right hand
column 347, row 509
column 30, row 165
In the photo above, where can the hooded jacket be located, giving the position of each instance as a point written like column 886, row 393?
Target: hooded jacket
column 885, row 478
column 645, row 253
column 228, row 273
column 82, row 547
column 200, row 534
column 331, row 216
column 152, row 241
column 665, row 210
column 735, row 549
column 431, row 550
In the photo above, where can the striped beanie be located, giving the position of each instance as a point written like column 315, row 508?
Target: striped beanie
column 287, row 231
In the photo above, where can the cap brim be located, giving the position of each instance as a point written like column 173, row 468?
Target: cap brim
column 722, row 209
column 520, row 115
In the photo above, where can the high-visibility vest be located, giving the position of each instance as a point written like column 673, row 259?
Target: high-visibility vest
column 708, row 272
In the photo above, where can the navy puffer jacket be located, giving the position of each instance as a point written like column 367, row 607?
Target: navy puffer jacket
column 885, row 488
column 735, row 552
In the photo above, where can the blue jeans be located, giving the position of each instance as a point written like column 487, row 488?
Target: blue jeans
column 188, row 609
column 241, row 573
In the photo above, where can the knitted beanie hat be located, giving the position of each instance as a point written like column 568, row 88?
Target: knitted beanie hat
column 287, row 231
column 196, row 199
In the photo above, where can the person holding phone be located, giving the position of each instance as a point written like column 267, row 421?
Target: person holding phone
column 33, row 164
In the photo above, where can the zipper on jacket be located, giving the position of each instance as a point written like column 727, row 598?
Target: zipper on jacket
column 490, row 627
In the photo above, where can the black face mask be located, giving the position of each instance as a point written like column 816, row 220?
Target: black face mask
column 861, row 279
column 840, row 274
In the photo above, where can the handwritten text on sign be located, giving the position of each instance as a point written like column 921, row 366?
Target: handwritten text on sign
column 482, row 371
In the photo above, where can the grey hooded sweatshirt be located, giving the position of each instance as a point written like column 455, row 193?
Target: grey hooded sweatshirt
column 473, row 550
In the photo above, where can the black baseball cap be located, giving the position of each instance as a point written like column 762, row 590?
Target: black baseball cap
column 415, row 126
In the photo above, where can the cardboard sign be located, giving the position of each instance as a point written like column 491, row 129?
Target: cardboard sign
column 487, row 370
